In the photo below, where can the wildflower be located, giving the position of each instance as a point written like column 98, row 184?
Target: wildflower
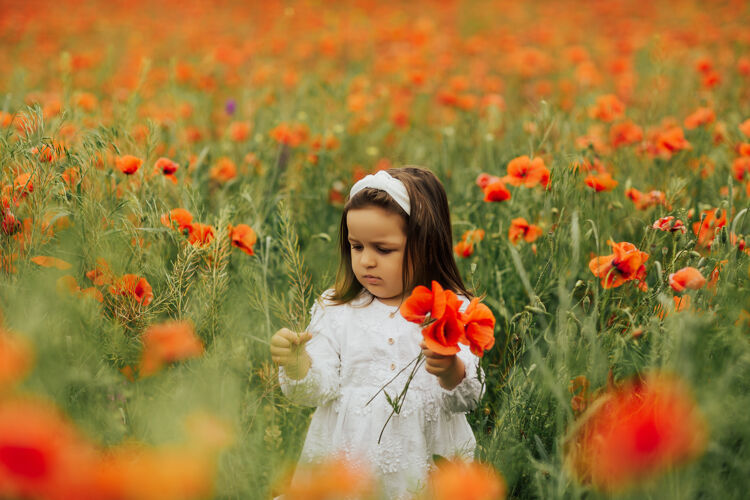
column 180, row 216
column 645, row 200
column 465, row 481
column 200, row 234
column 239, row 131
column 520, row 228
column 334, row 478
column 479, row 327
column 45, row 261
column 607, row 108
column 625, row 134
column 133, row 471
column 484, row 179
column 625, row 264
column 496, row 191
column 523, row 171
column 133, row 286
column 16, row 357
column 290, row 135
column 464, row 248
column 635, row 431
column 669, row 223
column 168, row 342
column 745, row 127
column 86, row 101
column 706, row 229
column 128, row 164
column 440, row 308
column 167, row 167
column 741, row 168
column 687, row 277
column 10, row 224
column 41, row 454
column 101, row 275
column 701, row 116
column 601, row 182
column 23, row 185
column 243, row 237
column 223, row 171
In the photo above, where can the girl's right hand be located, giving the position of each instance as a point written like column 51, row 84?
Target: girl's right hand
column 288, row 350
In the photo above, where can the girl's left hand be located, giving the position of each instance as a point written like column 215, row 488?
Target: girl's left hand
column 448, row 369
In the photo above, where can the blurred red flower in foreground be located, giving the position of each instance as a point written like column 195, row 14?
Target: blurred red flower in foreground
column 635, row 431
column 168, row 342
column 335, row 478
column 465, row 481
column 41, row 454
column 625, row 264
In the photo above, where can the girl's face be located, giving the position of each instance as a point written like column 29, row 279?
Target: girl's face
column 378, row 243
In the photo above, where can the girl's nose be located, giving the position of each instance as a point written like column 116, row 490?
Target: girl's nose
column 368, row 258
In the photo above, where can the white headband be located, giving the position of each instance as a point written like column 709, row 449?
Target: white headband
column 384, row 182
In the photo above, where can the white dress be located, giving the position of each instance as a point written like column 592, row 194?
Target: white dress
column 355, row 349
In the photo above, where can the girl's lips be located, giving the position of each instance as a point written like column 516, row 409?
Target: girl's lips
column 371, row 279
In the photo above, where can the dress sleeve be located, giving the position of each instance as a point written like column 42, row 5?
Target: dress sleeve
column 465, row 396
column 322, row 382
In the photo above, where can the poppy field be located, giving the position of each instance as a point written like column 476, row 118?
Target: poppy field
column 173, row 175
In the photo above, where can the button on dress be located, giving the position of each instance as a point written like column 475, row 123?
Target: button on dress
column 355, row 349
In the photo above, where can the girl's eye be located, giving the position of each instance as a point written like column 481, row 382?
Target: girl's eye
column 356, row 247
column 384, row 250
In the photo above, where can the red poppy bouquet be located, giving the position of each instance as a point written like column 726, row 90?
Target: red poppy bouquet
column 444, row 327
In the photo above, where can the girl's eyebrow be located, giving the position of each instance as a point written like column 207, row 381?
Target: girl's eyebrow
column 376, row 242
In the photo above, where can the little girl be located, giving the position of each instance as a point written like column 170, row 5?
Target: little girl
column 395, row 234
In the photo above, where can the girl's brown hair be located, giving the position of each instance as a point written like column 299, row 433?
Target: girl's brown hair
column 429, row 236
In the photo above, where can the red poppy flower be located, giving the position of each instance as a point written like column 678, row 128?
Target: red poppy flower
column 179, row 216
column 496, row 191
column 601, row 182
column 745, row 127
column 625, row 264
column 520, row 228
column 223, row 171
column 687, row 277
column 243, row 237
column 706, row 229
column 635, row 431
column 523, row 171
column 625, row 134
column 200, row 234
column 465, row 481
column 479, row 327
column 701, row 116
column 669, row 223
column 134, row 286
column 41, row 454
column 128, row 164
column 438, row 308
column 607, row 108
column 166, row 343
column 464, row 248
